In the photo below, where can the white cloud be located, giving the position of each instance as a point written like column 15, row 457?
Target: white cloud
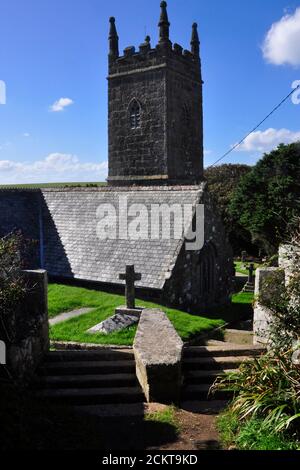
column 26, row 134
column 265, row 141
column 281, row 44
column 61, row 104
column 56, row 167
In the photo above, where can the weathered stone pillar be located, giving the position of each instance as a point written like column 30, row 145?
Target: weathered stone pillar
column 158, row 351
column 289, row 260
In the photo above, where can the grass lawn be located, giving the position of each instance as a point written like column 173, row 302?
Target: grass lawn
column 239, row 266
column 63, row 298
column 244, row 298
column 166, row 416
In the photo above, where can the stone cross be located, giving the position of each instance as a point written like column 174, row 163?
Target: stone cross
column 130, row 277
column 251, row 272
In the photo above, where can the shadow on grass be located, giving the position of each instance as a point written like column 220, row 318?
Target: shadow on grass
column 240, row 308
column 31, row 425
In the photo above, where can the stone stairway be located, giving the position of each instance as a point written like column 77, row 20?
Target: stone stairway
column 203, row 364
column 249, row 287
column 95, row 377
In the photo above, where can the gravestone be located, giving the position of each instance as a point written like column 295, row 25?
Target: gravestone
column 251, row 270
column 124, row 316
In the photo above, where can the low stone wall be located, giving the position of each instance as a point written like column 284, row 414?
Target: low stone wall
column 158, row 351
column 29, row 327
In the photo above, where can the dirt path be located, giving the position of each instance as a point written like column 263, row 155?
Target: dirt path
column 198, row 429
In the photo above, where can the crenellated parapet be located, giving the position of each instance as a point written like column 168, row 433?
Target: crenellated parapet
column 186, row 61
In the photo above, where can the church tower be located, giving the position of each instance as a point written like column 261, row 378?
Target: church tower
column 155, row 110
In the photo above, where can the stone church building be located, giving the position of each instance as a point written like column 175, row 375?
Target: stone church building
column 155, row 158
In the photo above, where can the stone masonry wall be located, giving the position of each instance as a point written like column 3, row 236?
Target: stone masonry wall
column 184, row 123
column 142, row 151
column 289, row 260
column 20, row 211
column 28, row 328
column 186, row 287
column 169, row 144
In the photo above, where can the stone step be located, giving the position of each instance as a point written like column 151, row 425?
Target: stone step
column 91, row 355
column 201, row 392
column 92, row 396
column 85, row 381
column 86, row 367
column 242, row 337
column 213, row 363
column 222, row 351
column 193, row 377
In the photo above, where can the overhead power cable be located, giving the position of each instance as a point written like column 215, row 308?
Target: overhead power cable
column 255, row 128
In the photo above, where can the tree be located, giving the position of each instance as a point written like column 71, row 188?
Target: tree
column 266, row 200
column 222, row 182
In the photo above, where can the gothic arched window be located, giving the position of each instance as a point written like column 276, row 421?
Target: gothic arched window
column 207, row 269
column 135, row 115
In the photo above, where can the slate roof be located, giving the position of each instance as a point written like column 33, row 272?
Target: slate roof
column 71, row 246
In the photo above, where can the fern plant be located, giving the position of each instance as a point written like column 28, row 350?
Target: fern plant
column 267, row 387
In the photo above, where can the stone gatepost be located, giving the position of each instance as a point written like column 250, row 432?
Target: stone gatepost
column 262, row 314
column 29, row 327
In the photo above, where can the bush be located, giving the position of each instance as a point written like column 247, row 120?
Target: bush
column 273, row 291
column 12, row 288
column 272, row 261
column 284, row 301
column 295, row 232
column 267, row 388
column 266, row 407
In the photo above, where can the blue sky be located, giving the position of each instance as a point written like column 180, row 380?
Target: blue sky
column 54, row 49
